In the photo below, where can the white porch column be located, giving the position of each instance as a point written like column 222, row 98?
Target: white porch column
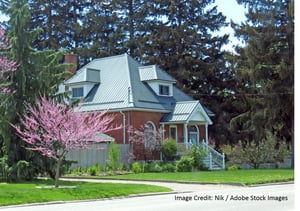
column 185, row 134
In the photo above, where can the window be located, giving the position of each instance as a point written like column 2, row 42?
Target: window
column 150, row 135
column 77, row 92
column 173, row 132
column 164, row 90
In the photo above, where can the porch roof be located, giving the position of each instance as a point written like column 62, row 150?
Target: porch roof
column 187, row 111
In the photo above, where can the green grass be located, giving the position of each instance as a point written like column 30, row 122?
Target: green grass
column 247, row 177
column 21, row 193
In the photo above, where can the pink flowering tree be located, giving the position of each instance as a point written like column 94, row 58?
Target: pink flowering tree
column 6, row 65
column 147, row 139
column 54, row 129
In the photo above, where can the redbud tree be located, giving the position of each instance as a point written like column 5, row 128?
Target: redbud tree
column 6, row 65
column 53, row 129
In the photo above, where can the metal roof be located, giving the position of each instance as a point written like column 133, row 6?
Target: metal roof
column 153, row 72
column 123, row 85
column 185, row 112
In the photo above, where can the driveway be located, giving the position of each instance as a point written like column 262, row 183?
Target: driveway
column 185, row 197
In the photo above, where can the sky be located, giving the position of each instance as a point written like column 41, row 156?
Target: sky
column 233, row 12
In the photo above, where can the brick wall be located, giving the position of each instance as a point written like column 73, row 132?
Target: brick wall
column 136, row 119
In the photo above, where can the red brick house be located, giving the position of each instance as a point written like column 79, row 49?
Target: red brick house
column 139, row 95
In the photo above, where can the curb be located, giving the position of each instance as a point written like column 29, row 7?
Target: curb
column 91, row 200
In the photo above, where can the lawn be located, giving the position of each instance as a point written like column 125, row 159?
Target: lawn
column 247, row 177
column 21, row 193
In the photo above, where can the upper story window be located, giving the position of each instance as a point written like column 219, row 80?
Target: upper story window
column 77, row 92
column 164, row 90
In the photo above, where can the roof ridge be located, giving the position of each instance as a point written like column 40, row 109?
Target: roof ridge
column 109, row 57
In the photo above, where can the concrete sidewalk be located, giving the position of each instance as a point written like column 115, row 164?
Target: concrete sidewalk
column 175, row 186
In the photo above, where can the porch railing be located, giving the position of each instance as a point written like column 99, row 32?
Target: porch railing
column 214, row 156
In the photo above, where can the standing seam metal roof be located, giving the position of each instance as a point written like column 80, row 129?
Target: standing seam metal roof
column 121, row 87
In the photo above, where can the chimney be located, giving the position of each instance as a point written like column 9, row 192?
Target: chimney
column 71, row 59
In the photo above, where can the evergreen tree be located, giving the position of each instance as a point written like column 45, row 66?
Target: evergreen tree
column 37, row 72
column 181, row 40
column 60, row 22
column 265, row 67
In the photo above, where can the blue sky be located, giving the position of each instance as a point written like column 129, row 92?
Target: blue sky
column 231, row 9
column 233, row 12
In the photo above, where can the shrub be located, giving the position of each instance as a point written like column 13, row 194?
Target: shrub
column 233, row 168
column 168, row 167
column 198, row 154
column 185, row 164
column 152, row 167
column 92, row 170
column 169, row 149
column 136, row 167
column 113, row 156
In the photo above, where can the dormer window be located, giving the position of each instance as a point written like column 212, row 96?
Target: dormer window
column 77, row 92
column 164, row 90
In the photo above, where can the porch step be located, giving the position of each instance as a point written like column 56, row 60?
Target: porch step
column 214, row 167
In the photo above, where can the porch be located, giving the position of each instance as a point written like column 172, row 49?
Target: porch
column 213, row 159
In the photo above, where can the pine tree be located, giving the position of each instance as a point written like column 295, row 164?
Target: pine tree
column 181, row 40
column 265, row 67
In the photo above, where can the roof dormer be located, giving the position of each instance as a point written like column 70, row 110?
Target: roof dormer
column 86, row 75
column 153, row 72
column 83, row 82
column 159, row 81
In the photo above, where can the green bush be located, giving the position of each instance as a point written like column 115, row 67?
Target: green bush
column 92, row 170
column 136, row 167
column 233, row 168
column 198, row 154
column 168, row 167
column 152, row 167
column 113, row 156
column 185, row 164
column 169, row 149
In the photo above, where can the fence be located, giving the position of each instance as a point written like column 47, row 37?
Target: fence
column 97, row 153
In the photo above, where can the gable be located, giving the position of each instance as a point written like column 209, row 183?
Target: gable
column 187, row 111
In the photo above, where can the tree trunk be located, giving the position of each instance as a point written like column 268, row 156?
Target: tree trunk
column 57, row 172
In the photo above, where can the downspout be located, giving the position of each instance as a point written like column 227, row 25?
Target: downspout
column 124, row 127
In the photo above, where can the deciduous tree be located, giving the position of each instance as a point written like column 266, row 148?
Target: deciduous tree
column 54, row 129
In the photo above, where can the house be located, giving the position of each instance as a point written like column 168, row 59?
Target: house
column 140, row 95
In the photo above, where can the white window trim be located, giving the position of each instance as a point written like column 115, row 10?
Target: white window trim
column 78, row 87
column 154, row 132
column 176, row 133
column 164, row 85
column 195, row 133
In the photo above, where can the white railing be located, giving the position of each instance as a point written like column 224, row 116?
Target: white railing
column 214, row 156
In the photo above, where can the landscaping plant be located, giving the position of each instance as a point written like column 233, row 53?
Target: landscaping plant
column 169, row 149
column 54, row 129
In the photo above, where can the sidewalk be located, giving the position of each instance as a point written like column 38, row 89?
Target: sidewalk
column 175, row 186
